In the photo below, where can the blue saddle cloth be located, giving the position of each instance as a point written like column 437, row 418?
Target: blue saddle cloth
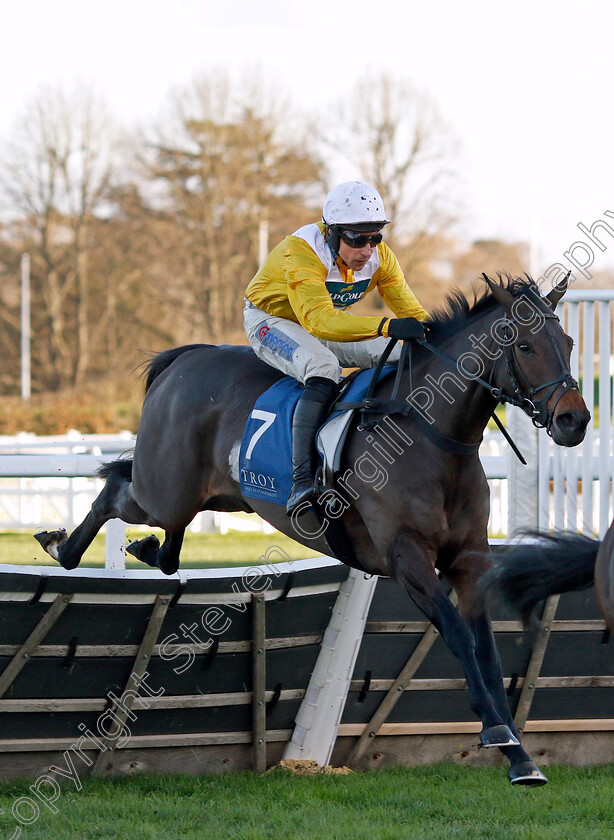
column 265, row 458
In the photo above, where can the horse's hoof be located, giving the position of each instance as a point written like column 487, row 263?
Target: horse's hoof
column 498, row 736
column 526, row 773
column 145, row 550
column 51, row 541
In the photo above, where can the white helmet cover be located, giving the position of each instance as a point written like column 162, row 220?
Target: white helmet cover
column 354, row 203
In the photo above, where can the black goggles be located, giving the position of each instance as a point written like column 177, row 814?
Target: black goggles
column 359, row 240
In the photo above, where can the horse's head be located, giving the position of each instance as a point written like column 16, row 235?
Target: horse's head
column 533, row 370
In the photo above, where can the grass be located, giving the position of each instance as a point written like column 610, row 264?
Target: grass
column 425, row 803
column 237, row 548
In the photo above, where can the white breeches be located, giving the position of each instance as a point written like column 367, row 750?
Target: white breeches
column 287, row 346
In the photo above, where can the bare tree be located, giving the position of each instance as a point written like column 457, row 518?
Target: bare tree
column 55, row 179
column 221, row 167
column 395, row 137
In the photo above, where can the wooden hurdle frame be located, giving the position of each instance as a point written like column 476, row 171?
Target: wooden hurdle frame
column 322, row 662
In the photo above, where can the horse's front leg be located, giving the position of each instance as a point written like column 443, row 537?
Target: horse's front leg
column 463, row 575
column 412, row 563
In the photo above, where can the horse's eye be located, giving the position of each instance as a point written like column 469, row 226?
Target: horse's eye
column 524, row 347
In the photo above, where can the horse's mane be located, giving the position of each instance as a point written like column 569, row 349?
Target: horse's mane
column 456, row 309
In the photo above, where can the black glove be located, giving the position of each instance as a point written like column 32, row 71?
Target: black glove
column 406, row 328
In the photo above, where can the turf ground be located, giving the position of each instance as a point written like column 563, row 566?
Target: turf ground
column 428, row 803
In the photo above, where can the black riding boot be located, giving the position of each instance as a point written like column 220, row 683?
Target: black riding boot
column 309, row 414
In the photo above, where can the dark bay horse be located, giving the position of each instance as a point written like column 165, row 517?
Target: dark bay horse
column 544, row 565
column 424, row 512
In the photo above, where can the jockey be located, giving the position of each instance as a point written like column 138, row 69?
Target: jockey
column 297, row 316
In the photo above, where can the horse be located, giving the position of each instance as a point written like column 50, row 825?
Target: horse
column 544, row 565
column 424, row 523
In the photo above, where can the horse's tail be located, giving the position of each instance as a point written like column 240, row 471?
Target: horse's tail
column 155, row 366
column 122, row 467
column 526, row 574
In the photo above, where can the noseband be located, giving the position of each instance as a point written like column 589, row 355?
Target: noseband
column 523, row 391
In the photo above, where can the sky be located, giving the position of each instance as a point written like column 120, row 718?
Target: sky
column 524, row 87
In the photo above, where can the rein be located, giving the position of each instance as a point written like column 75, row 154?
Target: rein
column 524, row 399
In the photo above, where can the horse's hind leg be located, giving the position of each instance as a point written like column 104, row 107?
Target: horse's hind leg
column 113, row 501
column 164, row 557
column 463, row 575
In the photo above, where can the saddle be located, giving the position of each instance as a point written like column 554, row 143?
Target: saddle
column 265, row 456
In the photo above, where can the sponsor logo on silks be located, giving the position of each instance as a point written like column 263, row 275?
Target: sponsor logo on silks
column 277, row 342
column 258, row 479
column 345, row 295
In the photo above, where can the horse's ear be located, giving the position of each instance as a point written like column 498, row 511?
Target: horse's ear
column 558, row 291
column 500, row 294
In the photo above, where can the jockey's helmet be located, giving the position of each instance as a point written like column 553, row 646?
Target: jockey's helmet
column 354, row 203
column 355, row 206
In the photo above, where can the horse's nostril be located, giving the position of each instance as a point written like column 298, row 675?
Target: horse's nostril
column 572, row 420
column 566, row 420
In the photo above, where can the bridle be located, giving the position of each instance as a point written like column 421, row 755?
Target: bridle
column 524, row 391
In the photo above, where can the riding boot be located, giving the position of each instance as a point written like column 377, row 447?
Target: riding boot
column 309, row 414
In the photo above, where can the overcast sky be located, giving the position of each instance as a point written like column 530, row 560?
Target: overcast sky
column 526, row 86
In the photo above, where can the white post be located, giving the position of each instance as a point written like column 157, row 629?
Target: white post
column 207, row 522
column 26, row 376
column 522, row 481
column 605, row 418
column 263, row 242
column 588, row 383
column 115, row 541
column 318, row 718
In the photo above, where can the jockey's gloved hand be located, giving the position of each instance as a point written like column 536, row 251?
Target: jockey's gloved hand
column 404, row 328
